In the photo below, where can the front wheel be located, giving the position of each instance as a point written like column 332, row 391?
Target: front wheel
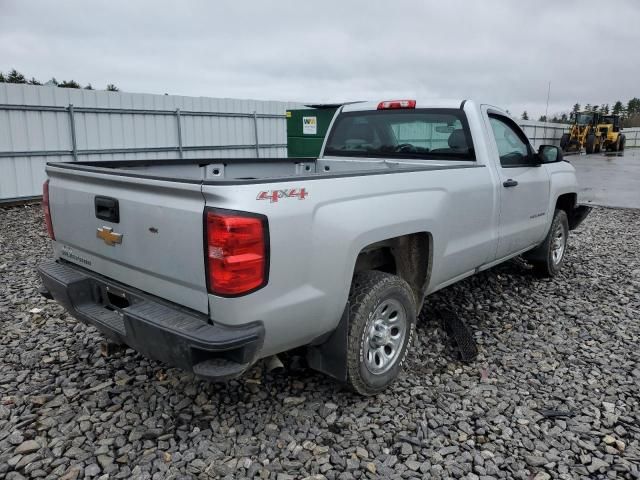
column 548, row 258
column 590, row 143
column 382, row 318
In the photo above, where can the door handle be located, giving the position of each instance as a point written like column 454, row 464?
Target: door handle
column 509, row 183
column 107, row 208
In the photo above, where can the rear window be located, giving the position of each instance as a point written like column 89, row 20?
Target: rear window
column 414, row 134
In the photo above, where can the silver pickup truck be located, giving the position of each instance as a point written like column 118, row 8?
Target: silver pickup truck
column 212, row 264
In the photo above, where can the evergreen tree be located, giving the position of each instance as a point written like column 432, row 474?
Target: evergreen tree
column 633, row 106
column 525, row 115
column 618, row 109
column 69, row 84
column 16, row 77
column 576, row 108
column 112, row 88
column 2, row 79
column 88, row 87
column 543, row 118
column 604, row 108
column 33, row 81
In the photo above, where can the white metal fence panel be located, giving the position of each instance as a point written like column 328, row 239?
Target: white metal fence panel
column 632, row 136
column 543, row 133
column 43, row 124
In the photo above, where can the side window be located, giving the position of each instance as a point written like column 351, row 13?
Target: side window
column 512, row 149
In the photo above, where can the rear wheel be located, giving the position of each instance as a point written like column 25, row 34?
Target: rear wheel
column 564, row 141
column 623, row 140
column 615, row 146
column 548, row 258
column 382, row 318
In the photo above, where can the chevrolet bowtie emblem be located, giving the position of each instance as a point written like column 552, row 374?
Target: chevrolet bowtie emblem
column 109, row 236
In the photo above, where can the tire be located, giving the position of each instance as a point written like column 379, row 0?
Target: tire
column 589, row 143
column 597, row 148
column 616, row 145
column 378, row 302
column 623, row 140
column 564, row 141
column 548, row 258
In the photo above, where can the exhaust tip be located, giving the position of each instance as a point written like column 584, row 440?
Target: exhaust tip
column 273, row 364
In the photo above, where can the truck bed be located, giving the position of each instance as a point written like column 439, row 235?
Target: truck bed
column 254, row 170
column 157, row 207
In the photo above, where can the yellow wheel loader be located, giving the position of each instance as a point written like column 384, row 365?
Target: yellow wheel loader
column 611, row 136
column 583, row 134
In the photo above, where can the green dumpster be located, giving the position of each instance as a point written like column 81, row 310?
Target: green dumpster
column 306, row 129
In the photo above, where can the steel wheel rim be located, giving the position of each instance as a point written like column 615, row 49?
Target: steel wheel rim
column 559, row 244
column 384, row 336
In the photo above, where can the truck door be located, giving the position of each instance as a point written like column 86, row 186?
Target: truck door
column 524, row 188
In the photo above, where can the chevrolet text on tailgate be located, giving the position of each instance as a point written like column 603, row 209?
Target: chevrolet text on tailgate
column 212, row 264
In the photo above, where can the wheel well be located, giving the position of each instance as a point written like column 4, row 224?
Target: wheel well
column 408, row 256
column 567, row 202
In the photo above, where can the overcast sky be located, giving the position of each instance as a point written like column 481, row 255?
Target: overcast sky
column 502, row 52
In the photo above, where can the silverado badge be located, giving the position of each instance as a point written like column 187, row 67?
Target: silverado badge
column 109, row 236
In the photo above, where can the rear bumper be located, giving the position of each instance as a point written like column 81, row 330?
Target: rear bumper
column 154, row 327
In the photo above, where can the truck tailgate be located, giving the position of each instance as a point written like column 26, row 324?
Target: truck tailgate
column 161, row 226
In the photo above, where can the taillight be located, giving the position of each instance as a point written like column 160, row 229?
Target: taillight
column 236, row 252
column 395, row 104
column 46, row 210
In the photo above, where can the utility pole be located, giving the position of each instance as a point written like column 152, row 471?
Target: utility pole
column 546, row 112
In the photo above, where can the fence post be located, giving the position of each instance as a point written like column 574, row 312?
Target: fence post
column 255, row 129
column 178, row 123
column 72, row 123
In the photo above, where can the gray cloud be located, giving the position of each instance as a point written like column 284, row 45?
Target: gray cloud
column 502, row 52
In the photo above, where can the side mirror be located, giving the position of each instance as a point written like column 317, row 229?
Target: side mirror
column 549, row 154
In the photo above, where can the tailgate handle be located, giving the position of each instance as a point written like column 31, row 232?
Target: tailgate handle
column 107, row 209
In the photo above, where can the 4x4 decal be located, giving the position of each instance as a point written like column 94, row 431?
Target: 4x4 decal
column 275, row 195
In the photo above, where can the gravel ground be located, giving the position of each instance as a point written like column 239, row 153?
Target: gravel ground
column 553, row 394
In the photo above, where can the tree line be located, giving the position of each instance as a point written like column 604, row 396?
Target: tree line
column 629, row 112
column 16, row 77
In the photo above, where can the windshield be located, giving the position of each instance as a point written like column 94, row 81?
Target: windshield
column 584, row 118
column 421, row 134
